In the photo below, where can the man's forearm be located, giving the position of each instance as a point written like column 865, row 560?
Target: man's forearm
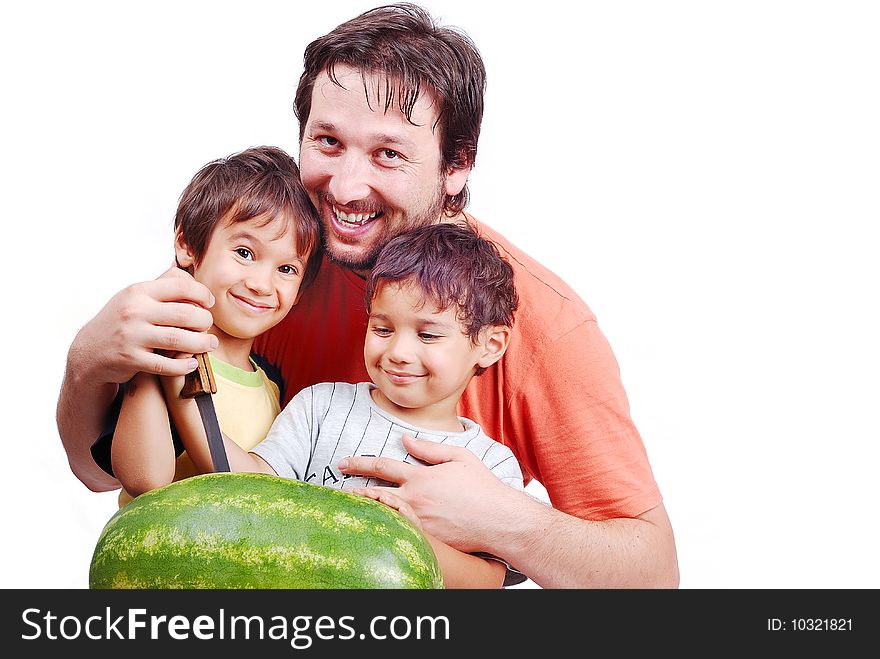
column 82, row 407
column 556, row 550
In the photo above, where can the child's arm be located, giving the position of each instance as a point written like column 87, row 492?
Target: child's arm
column 142, row 452
column 460, row 570
column 188, row 421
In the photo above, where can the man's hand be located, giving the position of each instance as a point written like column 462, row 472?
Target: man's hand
column 387, row 496
column 169, row 313
column 453, row 496
column 463, row 504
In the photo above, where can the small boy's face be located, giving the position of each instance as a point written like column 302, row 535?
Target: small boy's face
column 418, row 356
column 254, row 272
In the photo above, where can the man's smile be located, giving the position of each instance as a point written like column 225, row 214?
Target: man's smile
column 354, row 219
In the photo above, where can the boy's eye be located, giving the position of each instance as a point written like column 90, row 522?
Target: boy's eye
column 244, row 253
column 381, row 331
column 425, row 336
column 287, row 270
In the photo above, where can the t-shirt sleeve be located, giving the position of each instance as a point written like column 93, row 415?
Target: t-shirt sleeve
column 287, row 446
column 587, row 453
column 501, row 462
column 512, row 576
column 102, row 445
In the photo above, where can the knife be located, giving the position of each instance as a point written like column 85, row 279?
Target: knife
column 200, row 384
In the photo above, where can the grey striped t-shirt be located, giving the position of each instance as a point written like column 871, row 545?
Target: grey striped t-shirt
column 329, row 421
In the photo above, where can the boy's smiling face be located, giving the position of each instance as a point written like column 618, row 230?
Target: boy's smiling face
column 419, row 357
column 254, row 272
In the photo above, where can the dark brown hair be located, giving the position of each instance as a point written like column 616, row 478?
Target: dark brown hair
column 452, row 265
column 403, row 43
column 260, row 181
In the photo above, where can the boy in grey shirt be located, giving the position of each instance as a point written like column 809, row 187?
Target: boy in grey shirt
column 441, row 301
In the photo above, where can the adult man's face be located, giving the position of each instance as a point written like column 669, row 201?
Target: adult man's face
column 370, row 172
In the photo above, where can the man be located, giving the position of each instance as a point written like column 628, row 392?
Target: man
column 390, row 109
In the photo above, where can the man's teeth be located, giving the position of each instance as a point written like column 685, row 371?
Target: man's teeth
column 355, row 219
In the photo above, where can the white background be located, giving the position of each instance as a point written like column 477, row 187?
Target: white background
column 705, row 174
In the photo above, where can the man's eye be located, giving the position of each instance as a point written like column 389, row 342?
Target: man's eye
column 244, row 253
column 326, row 140
column 389, row 155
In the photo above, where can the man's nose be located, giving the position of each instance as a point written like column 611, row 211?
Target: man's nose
column 351, row 179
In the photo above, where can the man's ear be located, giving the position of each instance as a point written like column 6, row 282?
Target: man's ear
column 183, row 253
column 495, row 341
column 456, row 178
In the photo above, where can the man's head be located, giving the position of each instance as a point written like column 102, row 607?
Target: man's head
column 390, row 107
column 449, row 267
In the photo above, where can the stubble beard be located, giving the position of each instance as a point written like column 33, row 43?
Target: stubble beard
column 365, row 261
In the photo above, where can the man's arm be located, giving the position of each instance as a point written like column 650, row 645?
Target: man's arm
column 168, row 313
column 461, row 502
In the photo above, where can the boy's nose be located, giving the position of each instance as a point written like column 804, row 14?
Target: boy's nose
column 400, row 350
column 259, row 280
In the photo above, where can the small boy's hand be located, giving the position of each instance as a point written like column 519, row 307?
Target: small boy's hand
column 389, row 498
column 172, row 384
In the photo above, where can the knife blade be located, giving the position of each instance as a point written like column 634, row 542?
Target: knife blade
column 200, row 384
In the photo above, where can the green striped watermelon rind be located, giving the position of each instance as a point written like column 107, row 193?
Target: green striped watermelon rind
column 241, row 530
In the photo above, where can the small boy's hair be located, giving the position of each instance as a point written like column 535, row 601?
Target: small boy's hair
column 452, row 265
column 259, row 181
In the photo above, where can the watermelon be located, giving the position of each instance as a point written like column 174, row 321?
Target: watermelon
column 237, row 530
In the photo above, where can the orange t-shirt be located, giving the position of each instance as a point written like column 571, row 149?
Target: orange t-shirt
column 555, row 398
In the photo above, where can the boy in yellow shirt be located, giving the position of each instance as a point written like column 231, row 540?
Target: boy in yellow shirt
column 246, row 229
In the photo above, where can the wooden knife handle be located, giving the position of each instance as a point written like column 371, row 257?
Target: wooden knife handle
column 201, row 380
